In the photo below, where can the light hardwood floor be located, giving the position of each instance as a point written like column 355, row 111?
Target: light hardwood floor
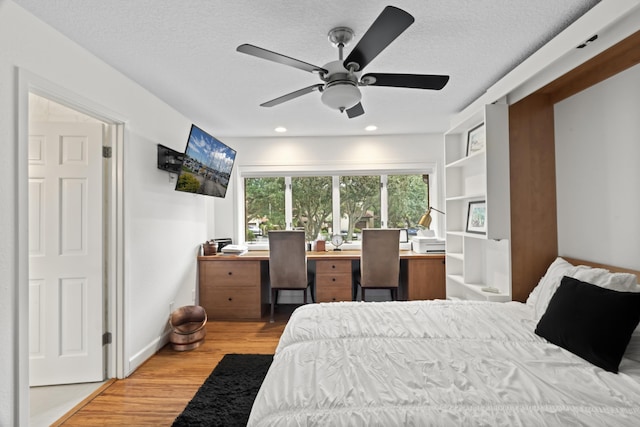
column 157, row 392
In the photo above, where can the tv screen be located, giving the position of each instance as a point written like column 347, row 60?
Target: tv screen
column 207, row 165
column 169, row 160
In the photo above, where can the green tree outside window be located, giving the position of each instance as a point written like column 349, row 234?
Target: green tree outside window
column 311, row 204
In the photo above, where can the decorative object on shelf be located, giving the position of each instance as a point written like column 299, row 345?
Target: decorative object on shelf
column 336, row 241
column 477, row 217
column 476, row 139
column 321, row 245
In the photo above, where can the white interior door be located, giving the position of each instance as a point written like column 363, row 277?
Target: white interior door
column 65, row 253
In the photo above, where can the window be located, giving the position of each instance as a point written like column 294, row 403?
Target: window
column 407, row 200
column 312, row 208
column 359, row 204
column 327, row 205
column 264, row 207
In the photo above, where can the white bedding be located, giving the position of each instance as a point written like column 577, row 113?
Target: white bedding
column 435, row 363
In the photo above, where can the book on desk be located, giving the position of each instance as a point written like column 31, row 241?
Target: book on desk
column 234, row 250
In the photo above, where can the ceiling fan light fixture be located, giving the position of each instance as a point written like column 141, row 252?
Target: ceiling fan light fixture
column 341, row 96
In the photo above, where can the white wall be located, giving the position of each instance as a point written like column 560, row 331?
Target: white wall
column 357, row 153
column 162, row 228
column 597, row 137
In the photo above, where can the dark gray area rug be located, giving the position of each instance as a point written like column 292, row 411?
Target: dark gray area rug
column 226, row 397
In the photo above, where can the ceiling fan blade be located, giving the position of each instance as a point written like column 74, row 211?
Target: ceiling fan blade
column 355, row 111
column 279, row 58
column 389, row 25
column 416, row 81
column 292, row 95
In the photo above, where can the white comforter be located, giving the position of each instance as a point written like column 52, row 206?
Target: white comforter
column 435, row 363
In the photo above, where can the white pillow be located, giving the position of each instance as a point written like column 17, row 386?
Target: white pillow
column 550, row 283
column 533, row 296
column 623, row 282
column 633, row 348
column 541, row 294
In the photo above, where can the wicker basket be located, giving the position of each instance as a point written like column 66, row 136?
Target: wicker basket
column 187, row 327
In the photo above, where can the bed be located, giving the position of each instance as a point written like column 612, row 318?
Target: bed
column 452, row 363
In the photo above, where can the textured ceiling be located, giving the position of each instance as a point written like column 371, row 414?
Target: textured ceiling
column 184, row 53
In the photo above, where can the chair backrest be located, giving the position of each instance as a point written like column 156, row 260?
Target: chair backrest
column 380, row 259
column 287, row 259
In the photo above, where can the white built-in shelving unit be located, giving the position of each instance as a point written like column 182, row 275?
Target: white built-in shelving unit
column 476, row 261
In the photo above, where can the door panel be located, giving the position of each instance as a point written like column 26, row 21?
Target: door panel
column 66, row 259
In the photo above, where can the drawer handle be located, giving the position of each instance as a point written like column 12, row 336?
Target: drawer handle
column 333, row 278
column 333, row 266
column 230, row 273
column 230, row 299
column 333, row 299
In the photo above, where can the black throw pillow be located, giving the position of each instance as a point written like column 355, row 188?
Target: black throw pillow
column 592, row 322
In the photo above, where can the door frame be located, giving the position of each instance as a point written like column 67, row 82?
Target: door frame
column 29, row 82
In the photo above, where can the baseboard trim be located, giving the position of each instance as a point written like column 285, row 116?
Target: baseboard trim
column 152, row 348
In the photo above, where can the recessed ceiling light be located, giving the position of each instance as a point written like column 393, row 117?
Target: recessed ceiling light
column 371, row 128
column 280, row 129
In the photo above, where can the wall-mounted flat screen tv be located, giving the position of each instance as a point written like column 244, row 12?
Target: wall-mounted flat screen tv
column 169, row 160
column 207, row 164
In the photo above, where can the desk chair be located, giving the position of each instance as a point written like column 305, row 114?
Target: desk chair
column 379, row 261
column 288, row 264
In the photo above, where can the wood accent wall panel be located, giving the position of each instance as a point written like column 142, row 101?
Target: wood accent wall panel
column 612, row 61
column 534, row 232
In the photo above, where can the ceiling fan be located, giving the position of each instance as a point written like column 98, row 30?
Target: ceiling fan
column 342, row 78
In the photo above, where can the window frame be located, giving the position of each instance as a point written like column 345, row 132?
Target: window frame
column 335, row 171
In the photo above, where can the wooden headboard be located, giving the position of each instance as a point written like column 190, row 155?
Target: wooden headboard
column 611, row 268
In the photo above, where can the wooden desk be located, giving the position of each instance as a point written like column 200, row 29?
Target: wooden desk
column 235, row 287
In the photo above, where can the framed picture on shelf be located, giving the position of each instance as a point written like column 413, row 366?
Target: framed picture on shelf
column 477, row 217
column 476, row 139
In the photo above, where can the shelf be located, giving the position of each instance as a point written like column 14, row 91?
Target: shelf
column 475, row 158
column 456, row 255
column 465, row 234
column 466, row 197
column 476, row 289
column 489, row 296
column 456, row 278
column 478, row 260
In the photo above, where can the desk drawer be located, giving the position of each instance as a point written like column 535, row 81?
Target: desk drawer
column 227, row 273
column 232, row 289
column 333, row 280
column 229, row 303
column 333, row 267
column 331, row 292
